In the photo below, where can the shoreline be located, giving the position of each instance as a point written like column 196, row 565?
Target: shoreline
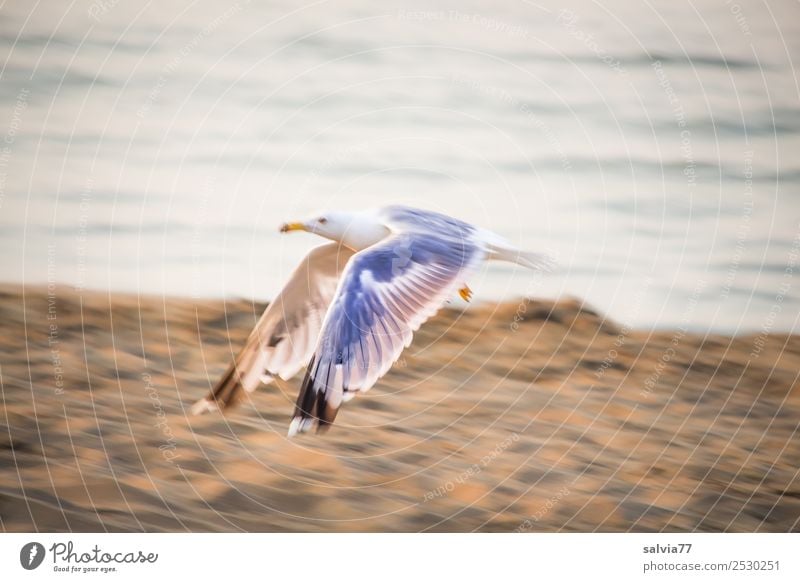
column 533, row 415
column 70, row 289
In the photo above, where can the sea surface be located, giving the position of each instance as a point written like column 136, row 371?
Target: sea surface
column 156, row 147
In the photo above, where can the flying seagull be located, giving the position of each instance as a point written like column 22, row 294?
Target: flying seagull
column 352, row 305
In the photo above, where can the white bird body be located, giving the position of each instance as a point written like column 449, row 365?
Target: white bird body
column 352, row 306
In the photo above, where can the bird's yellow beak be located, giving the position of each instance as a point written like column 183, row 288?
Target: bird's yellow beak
column 292, row 226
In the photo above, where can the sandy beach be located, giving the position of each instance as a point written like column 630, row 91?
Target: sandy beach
column 531, row 415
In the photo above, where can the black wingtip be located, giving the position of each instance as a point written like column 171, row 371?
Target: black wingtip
column 312, row 404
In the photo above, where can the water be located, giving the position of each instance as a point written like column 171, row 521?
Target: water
column 157, row 149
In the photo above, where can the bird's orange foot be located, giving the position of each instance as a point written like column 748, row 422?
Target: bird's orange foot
column 466, row 293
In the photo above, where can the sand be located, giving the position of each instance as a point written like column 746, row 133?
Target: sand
column 527, row 416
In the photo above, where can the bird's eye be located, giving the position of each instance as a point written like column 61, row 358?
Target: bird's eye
column 322, row 220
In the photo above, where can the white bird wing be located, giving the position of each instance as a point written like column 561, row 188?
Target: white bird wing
column 386, row 292
column 286, row 335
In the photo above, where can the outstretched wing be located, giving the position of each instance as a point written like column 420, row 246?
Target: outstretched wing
column 285, row 336
column 387, row 291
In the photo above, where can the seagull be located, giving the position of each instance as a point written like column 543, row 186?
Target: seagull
column 352, row 305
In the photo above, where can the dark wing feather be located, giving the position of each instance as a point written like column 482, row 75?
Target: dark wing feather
column 285, row 336
column 386, row 292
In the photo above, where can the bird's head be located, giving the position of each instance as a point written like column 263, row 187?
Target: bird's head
column 357, row 230
column 332, row 225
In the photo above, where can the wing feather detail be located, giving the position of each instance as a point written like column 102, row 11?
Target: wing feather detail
column 385, row 294
column 286, row 334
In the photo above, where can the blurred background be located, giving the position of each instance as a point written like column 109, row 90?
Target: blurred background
column 156, row 147
column 149, row 152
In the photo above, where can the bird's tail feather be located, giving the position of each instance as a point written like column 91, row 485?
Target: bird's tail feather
column 502, row 249
column 543, row 262
column 241, row 377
